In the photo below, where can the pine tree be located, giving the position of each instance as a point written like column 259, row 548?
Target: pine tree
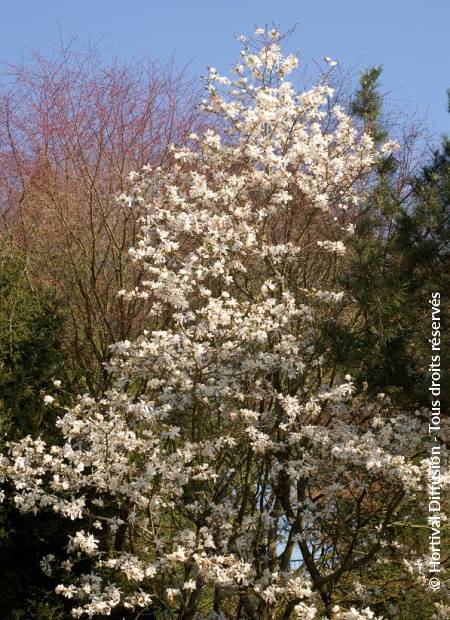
column 399, row 255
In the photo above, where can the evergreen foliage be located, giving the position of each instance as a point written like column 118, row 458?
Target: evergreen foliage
column 31, row 356
column 400, row 254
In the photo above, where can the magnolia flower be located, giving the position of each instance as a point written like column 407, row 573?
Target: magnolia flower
column 274, row 34
column 335, row 247
column 85, row 542
column 177, row 556
column 330, row 62
column 189, row 585
column 47, row 564
column 172, row 593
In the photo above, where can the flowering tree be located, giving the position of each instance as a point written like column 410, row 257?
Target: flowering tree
column 225, row 475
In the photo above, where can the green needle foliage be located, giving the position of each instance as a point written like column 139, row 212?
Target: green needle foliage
column 399, row 256
column 367, row 103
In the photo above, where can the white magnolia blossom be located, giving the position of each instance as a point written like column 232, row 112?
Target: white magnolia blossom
column 222, row 477
column 332, row 246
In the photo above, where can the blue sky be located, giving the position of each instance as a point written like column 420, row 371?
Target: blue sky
column 409, row 38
